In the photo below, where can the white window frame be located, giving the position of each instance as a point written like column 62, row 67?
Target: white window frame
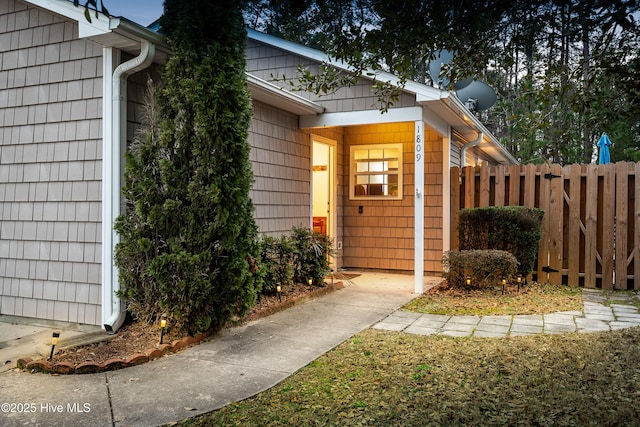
column 383, row 172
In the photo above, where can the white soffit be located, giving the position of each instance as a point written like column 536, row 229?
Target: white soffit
column 263, row 91
column 450, row 109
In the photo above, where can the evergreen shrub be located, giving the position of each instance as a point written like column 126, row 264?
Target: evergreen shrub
column 484, row 268
column 312, row 252
column 515, row 229
column 276, row 258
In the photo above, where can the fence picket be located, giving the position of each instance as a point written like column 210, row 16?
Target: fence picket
column 485, row 187
column 499, row 186
column 621, row 255
column 606, row 228
column 573, row 238
column 529, row 188
column 556, row 206
column 469, row 184
column 591, row 227
column 514, row 185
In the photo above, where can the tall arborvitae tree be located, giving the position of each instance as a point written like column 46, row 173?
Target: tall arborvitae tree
column 189, row 241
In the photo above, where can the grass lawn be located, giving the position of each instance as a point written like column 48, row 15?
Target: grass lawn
column 380, row 378
column 534, row 298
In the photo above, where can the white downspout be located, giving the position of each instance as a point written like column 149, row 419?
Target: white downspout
column 465, row 147
column 114, row 147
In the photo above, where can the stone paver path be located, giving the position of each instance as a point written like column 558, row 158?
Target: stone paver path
column 596, row 316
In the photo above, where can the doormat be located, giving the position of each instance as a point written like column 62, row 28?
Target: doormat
column 346, row 276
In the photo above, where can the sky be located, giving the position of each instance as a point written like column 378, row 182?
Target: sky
column 142, row 12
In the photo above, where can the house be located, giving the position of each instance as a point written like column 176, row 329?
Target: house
column 69, row 90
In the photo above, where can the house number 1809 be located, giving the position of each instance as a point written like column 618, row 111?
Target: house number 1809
column 418, row 145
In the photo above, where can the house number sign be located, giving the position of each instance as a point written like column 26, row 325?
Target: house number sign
column 418, row 144
column 419, row 168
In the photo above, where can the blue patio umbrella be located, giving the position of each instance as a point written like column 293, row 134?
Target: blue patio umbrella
column 603, row 143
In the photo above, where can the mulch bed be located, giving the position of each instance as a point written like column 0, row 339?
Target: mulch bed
column 137, row 342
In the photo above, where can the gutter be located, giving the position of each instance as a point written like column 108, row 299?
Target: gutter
column 507, row 156
column 465, row 147
column 113, row 159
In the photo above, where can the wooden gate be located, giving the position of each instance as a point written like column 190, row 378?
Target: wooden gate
column 591, row 227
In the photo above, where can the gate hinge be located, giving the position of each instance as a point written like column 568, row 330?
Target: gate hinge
column 548, row 269
column 550, row 176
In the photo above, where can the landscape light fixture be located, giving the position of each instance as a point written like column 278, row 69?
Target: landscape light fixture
column 163, row 326
column 54, row 343
column 279, row 291
column 310, row 282
column 504, row 283
column 468, row 280
column 519, row 280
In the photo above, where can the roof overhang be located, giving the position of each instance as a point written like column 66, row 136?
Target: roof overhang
column 275, row 96
column 450, row 109
column 116, row 32
column 441, row 107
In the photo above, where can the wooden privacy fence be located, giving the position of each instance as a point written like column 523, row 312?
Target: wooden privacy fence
column 591, row 227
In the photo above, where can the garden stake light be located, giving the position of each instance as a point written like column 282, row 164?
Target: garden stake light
column 468, row 280
column 54, row 342
column 163, row 325
column 310, row 282
column 504, row 283
column 279, row 291
column 519, row 281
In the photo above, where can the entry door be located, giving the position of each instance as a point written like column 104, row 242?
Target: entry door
column 323, row 191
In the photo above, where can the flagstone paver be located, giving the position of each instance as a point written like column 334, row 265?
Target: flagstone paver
column 594, row 317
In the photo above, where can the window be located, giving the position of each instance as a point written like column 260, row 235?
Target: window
column 376, row 172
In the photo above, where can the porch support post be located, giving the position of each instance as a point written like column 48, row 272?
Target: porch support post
column 446, row 193
column 419, row 208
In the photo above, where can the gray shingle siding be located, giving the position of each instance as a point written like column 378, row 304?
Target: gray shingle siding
column 271, row 64
column 281, row 162
column 50, row 168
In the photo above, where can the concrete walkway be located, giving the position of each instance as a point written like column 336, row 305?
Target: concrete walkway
column 237, row 363
column 595, row 317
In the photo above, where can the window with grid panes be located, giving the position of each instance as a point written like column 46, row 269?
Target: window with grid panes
column 376, row 172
